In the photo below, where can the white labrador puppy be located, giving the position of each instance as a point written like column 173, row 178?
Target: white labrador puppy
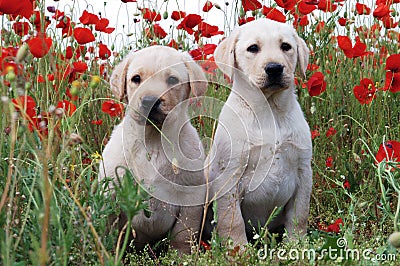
column 157, row 81
column 261, row 155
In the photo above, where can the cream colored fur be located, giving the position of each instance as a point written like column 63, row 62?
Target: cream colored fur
column 139, row 146
column 261, row 156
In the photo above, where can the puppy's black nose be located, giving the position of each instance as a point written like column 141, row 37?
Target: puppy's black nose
column 150, row 103
column 274, row 70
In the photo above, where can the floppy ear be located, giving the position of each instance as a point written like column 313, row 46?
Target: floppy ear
column 197, row 78
column 225, row 54
column 302, row 55
column 118, row 79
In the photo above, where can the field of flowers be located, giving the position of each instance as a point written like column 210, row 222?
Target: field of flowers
column 58, row 113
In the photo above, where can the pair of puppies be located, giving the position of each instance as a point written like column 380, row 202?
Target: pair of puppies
column 261, row 155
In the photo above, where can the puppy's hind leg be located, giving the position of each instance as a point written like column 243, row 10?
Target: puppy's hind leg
column 186, row 229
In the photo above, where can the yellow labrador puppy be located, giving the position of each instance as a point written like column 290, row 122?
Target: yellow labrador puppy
column 261, row 156
column 157, row 81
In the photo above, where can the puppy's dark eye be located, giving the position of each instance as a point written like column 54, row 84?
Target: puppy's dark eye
column 253, row 48
column 285, row 46
column 136, row 79
column 172, row 80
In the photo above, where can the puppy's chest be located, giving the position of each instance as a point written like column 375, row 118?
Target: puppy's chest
column 155, row 165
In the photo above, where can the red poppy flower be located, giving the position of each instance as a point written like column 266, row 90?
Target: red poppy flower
column 40, row 123
column 21, row 7
column 80, row 66
column 389, row 151
column 365, row 92
column 69, row 108
column 97, row 122
column 316, row 84
column 207, row 6
column 311, row 2
column 83, row 35
column 303, row 21
column 345, row 44
column 335, row 227
column 320, row 26
column 50, row 77
column 315, row 133
column 305, row 8
column 102, row 25
column 38, row 21
column 201, row 53
column 104, row 52
column 273, row 14
column 177, row 15
column 21, row 28
column 66, row 25
column 112, row 108
column 286, row 4
column 342, row 21
column 327, row 5
column 150, row 16
column 331, row 132
column 381, row 11
column 157, row 32
column 189, row 22
column 40, row 79
column 392, row 81
column 39, row 46
column 209, row 66
column 362, row 9
column 329, row 162
column 26, row 103
column 388, row 22
column 206, row 30
column 69, row 52
column 251, row 5
column 5, row 53
column 393, row 63
column 205, row 245
column 242, row 21
column 173, row 44
column 88, row 18
column 346, row 184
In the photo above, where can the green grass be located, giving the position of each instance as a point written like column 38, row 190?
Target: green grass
column 54, row 212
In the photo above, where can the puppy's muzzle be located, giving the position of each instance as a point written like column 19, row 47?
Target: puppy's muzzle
column 274, row 73
column 150, row 109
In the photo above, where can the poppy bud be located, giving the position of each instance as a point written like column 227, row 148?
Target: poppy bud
column 10, row 76
column 22, row 52
column 28, row 85
column 394, row 239
column 76, row 85
column 242, row 13
column 74, row 91
column 165, row 15
column 94, row 82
